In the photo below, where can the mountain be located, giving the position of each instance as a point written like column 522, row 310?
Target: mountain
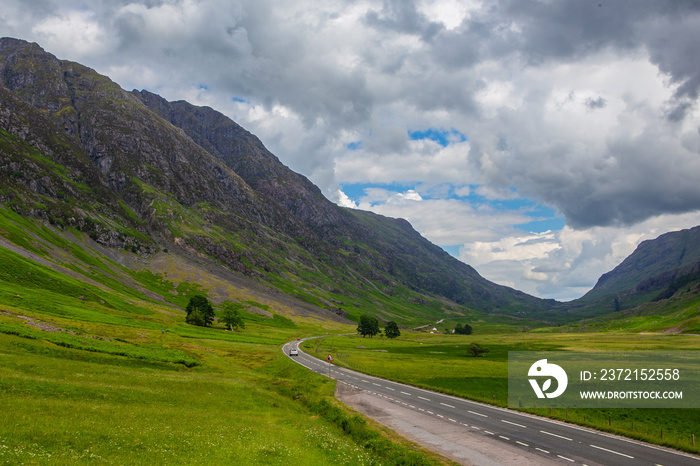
column 132, row 171
column 653, row 272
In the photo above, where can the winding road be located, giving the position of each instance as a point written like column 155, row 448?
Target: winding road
column 552, row 441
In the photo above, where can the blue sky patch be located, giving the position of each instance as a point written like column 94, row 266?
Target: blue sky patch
column 452, row 250
column 543, row 218
column 441, row 136
column 355, row 145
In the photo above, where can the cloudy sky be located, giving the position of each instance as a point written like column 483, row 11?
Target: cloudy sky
column 538, row 141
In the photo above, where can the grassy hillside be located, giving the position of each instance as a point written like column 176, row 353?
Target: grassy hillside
column 97, row 365
column 680, row 313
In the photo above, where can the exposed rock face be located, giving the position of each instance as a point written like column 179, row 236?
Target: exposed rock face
column 136, row 171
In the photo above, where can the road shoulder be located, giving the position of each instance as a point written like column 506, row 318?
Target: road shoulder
column 461, row 444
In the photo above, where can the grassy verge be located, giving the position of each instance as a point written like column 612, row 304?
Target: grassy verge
column 440, row 362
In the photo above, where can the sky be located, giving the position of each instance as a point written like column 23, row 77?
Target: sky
column 538, row 141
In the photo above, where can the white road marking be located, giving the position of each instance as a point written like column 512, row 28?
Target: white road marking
column 449, row 406
column 521, row 443
column 612, row 451
column 513, row 423
column 504, row 437
column 565, row 458
column 555, row 435
column 450, row 419
column 544, row 451
column 422, row 398
column 405, row 393
column 490, row 433
column 440, row 415
column 430, row 412
column 389, row 388
column 478, row 414
column 376, row 384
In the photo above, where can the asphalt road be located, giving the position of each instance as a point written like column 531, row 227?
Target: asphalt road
column 550, row 439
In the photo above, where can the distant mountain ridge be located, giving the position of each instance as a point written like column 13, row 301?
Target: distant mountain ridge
column 645, row 275
column 134, row 171
column 653, row 263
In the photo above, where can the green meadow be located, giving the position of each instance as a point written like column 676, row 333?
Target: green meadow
column 440, row 362
column 110, row 394
column 97, row 366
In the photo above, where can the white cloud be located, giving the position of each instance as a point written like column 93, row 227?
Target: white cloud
column 76, row 33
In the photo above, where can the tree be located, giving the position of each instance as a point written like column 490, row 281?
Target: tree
column 475, row 350
column 199, row 311
column 369, row 325
column 466, row 330
column 231, row 316
column 392, row 330
column 196, row 317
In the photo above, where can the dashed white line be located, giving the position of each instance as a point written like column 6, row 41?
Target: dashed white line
column 490, row 433
column 513, row 423
column 365, row 381
column 430, row 412
column 565, row 458
column 389, row 388
column 449, row 406
column 423, row 398
column 521, row 443
column 450, row 419
column 612, row 451
column 501, row 436
column 376, row 384
column 543, row 451
column 555, row 435
column 405, row 393
column 440, row 415
column 478, row 414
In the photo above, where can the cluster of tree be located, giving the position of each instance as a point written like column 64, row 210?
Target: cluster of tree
column 475, row 350
column 369, row 325
column 392, row 330
column 466, row 330
column 201, row 312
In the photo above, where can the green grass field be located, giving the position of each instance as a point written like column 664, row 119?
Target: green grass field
column 440, row 362
column 123, row 395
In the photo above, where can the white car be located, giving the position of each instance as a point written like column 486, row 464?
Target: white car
column 294, row 352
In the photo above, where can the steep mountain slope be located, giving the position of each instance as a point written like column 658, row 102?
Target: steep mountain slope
column 654, row 271
column 136, row 172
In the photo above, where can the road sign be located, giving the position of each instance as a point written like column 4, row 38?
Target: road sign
column 329, row 358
